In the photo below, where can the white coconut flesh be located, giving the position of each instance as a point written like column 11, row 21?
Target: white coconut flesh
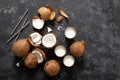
column 18, row 64
column 36, row 38
column 49, row 40
column 68, row 61
column 39, row 56
column 38, row 23
column 49, row 29
column 70, row 32
column 60, row 50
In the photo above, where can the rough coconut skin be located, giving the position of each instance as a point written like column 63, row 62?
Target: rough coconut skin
column 77, row 48
column 31, row 61
column 21, row 48
column 52, row 68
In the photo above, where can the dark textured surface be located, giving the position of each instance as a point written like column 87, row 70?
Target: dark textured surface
column 97, row 23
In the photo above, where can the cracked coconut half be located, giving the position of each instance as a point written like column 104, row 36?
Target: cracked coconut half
column 35, row 39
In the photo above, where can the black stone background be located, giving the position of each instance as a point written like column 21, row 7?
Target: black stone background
column 97, row 23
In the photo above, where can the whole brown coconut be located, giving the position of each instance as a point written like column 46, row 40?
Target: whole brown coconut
column 31, row 61
column 45, row 13
column 52, row 68
column 21, row 48
column 77, row 48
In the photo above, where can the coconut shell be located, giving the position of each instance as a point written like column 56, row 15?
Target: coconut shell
column 45, row 13
column 52, row 68
column 35, row 17
column 21, row 48
column 60, row 10
column 42, row 52
column 59, row 19
column 32, row 43
column 47, row 34
column 53, row 14
column 31, row 61
column 77, row 48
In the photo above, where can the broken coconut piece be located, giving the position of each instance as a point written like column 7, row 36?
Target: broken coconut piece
column 59, row 19
column 39, row 54
column 60, row 10
column 70, row 32
column 60, row 51
column 45, row 13
column 49, row 40
column 52, row 16
column 18, row 64
column 37, row 22
column 68, row 61
column 49, row 29
column 35, row 39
